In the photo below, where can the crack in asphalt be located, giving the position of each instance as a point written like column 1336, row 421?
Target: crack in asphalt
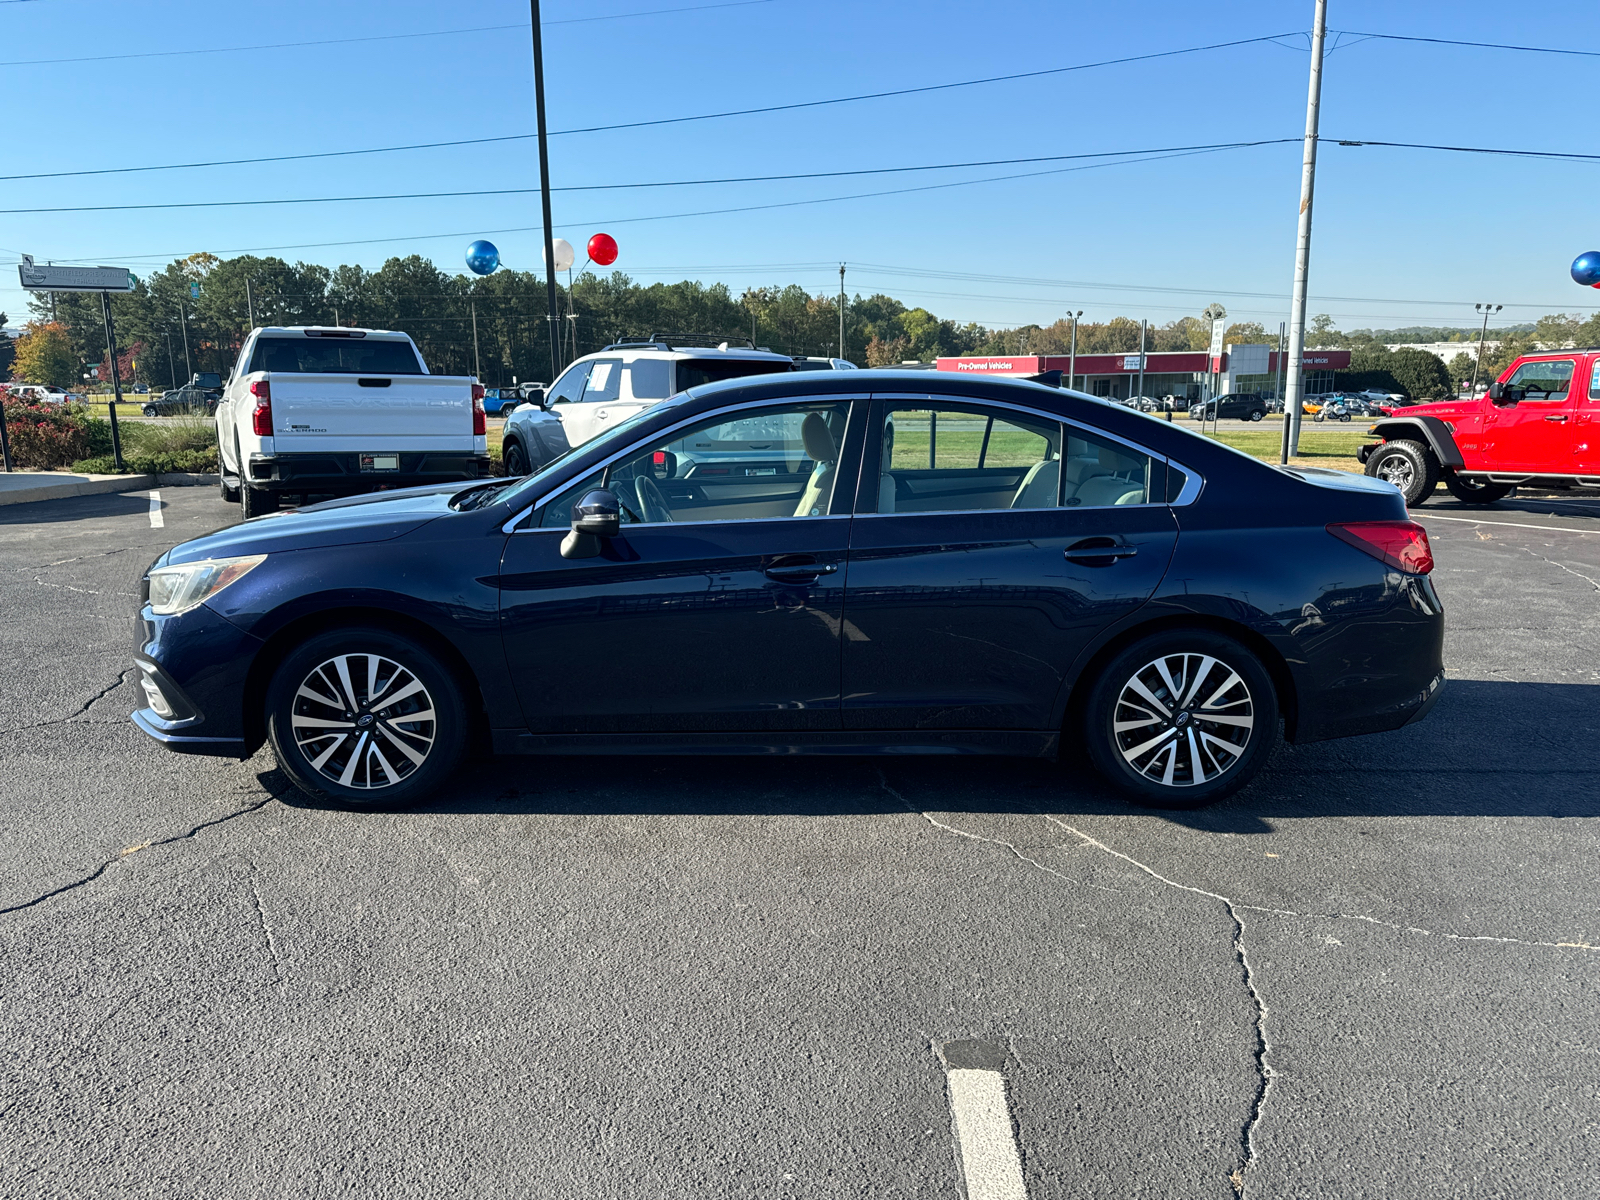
column 67, row 587
column 1591, row 582
column 266, row 926
column 122, row 678
column 132, row 850
column 61, row 562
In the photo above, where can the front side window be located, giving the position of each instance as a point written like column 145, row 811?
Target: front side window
column 974, row 458
column 570, row 386
column 766, row 463
column 605, row 381
column 1543, row 380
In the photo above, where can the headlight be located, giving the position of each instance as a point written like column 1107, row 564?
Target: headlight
column 177, row 588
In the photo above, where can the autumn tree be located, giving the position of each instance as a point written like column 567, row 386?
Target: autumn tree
column 44, row 355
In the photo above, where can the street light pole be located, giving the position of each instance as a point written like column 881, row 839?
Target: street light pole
column 544, row 193
column 1143, row 327
column 1072, row 357
column 1485, row 309
column 249, row 303
column 841, row 311
column 1302, row 254
column 188, row 364
column 477, row 365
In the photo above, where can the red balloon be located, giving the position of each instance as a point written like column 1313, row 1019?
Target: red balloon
column 603, row 249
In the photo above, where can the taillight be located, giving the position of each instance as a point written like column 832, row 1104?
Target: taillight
column 261, row 419
column 480, row 421
column 1401, row 544
column 478, row 392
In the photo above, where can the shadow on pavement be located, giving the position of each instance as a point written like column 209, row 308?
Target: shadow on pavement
column 1489, row 749
column 76, row 508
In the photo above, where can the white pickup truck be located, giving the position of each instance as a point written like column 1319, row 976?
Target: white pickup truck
column 334, row 412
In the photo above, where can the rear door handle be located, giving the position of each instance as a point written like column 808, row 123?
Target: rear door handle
column 799, row 572
column 1098, row 552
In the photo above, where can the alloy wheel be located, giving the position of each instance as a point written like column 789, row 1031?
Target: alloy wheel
column 363, row 721
column 1397, row 469
column 1183, row 719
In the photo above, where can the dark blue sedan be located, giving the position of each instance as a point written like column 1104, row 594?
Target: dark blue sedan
column 811, row 563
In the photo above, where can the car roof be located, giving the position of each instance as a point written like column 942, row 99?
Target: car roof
column 631, row 353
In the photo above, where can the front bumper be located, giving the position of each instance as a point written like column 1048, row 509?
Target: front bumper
column 198, row 663
column 341, row 472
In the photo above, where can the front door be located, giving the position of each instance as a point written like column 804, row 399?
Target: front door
column 1002, row 543
column 1534, row 433
column 717, row 609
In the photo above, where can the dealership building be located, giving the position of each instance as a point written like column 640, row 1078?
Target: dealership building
column 1187, row 374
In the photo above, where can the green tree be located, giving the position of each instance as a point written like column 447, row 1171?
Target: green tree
column 1323, row 335
column 1421, row 375
column 1245, row 333
column 1461, row 367
column 44, row 354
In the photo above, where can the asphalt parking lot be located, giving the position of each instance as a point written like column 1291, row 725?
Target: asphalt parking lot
column 1375, row 972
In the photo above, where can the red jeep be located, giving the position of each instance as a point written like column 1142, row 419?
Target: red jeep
column 1540, row 423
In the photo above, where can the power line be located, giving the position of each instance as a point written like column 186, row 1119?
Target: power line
column 383, row 37
column 743, row 112
column 1401, row 37
column 604, row 187
column 1558, row 154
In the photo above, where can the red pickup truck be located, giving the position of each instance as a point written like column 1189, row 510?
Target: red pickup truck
column 1539, row 423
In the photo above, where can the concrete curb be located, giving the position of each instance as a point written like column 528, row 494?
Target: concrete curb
column 45, row 485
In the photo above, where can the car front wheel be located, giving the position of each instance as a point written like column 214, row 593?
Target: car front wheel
column 1410, row 466
column 365, row 718
column 516, row 460
column 1181, row 719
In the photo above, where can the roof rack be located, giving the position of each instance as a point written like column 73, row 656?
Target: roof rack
column 670, row 341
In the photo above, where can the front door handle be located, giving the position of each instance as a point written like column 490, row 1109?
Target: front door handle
column 1556, row 417
column 799, row 572
column 1098, row 552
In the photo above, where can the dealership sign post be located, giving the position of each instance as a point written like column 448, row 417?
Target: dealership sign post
column 104, row 280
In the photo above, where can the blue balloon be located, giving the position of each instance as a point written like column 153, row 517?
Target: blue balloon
column 1586, row 268
column 482, row 258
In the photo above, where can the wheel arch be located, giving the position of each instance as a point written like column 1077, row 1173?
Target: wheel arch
column 277, row 646
column 1253, row 640
column 1430, row 431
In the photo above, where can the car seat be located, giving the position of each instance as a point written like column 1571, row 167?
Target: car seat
column 1120, row 481
column 824, row 451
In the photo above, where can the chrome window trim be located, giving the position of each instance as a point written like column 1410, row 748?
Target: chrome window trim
column 510, row 526
column 1193, row 483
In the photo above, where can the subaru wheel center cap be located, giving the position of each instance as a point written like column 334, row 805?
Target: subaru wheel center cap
column 364, row 720
column 1181, row 719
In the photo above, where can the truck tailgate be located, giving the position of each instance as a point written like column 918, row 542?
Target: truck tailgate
column 381, row 412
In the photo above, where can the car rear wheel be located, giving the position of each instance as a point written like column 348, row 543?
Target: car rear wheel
column 1476, row 491
column 253, row 502
column 1257, row 415
column 1181, row 719
column 1410, row 466
column 365, row 718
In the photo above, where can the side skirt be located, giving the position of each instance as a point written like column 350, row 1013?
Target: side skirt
column 1026, row 743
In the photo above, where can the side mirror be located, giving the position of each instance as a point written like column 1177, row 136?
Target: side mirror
column 534, row 396
column 597, row 515
column 1496, row 390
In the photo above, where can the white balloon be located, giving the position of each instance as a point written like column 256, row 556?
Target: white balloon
column 564, row 254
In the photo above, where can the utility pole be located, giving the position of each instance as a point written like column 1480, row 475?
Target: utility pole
column 172, row 363
column 841, row 310
column 544, row 192
column 1072, row 357
column 116, row 378
column 249, row 303
column 1302, row 254
column 183, row 320
column 1143, row 326
column 1283, row 456
column 1485, row 309
column 477, row 365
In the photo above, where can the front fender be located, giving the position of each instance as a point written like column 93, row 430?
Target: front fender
column 1430, row 431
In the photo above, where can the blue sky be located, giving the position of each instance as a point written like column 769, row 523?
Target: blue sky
column 1401, row 237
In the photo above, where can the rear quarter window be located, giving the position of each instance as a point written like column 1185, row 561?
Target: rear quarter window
column 692, row 372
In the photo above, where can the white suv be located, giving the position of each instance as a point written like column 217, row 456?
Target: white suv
column 600, row 391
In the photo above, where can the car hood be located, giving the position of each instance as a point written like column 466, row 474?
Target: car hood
column 377, row 517
column 1443, row 409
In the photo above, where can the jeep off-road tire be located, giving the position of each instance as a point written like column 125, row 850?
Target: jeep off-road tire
column 1476, row 491
column 1409, row 466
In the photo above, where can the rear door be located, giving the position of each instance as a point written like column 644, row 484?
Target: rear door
column 1534, row 434
column 980, row 577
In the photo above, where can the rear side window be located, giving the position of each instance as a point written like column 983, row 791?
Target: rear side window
column 649, row 378
column 334, row 356
column 692, row 372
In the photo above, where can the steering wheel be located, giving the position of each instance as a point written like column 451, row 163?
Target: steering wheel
column 651, row 501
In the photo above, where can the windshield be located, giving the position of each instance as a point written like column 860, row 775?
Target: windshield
column 532, row 487
column 334, row 356
column 692, row 372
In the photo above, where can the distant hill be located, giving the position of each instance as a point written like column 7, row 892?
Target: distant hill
column 1436, row 333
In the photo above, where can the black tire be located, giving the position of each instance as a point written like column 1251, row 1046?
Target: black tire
column 1198, row 661
column 1410, row 466
column 1476, row 491
column 149, row 410
column 410, row 759
column 1257, row 415
column 253, row 502
column 515, row 459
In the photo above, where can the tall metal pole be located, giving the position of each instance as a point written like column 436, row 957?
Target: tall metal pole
column 172, row 363
column 1283, row 450
column 1302, row 254
column 1072, row 356
column 183, row 320
column 841, row 312
column 249, row 302
column 544, row 193
column 1143, row 326
column 116, row 379
column 477, row 365
column 1486, row 309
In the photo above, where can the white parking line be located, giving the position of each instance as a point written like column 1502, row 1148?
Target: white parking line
column 157, row 521
column 983, row 1129
column 1416, row 516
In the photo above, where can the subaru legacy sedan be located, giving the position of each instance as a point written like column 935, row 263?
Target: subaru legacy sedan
column 891, row 563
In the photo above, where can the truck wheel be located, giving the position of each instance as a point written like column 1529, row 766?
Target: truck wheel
column 364, row 719
column 253, row 502
column 516, row 460
column 1410, row 466
column 1181, row 719
column 1476, row 491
